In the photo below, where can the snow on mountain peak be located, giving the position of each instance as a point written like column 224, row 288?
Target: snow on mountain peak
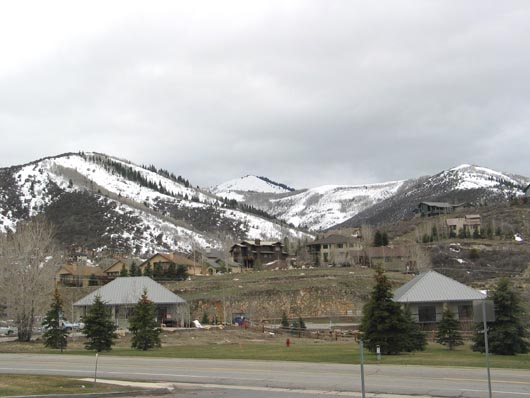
column 249, row 183
column 472, row 177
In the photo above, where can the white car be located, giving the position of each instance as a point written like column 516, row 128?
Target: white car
column 8, row 330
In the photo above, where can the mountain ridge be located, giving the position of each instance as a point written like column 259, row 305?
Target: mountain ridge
column 335, row 206
column 124, row 207
column 158, row 212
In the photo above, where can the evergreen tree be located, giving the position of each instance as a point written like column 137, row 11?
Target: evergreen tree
column 284, row 322
column 301, row 323
column 158, row 271
column 124, row 271
column 378, row 239
column 434, row 232
column 148, row 271
column 182, row 273
column 417, row 339
column 143, row 325
column 55, row 335
column 448, row 333
column 205, row 320
column 133, row 271
column 93, row 280
column 507, row 335
column 384, row 323
column 99, row 329
column 171, row 271
column 384, row 239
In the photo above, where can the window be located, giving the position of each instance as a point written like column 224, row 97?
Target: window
column 465, row 312
column 427, row 313
column 324, row 246
column 340, row 245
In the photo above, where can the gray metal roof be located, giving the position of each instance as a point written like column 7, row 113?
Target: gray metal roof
column 438, row 204
column 127, row 290
column 434, row 287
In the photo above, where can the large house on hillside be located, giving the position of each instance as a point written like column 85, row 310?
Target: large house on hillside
column 165, row 260
column 429, row 209
column 428, row 293
column 115, row 268
column 336, row 249
column 253, row 254
column 73, row 275
column 396, row 258
column 470, row 223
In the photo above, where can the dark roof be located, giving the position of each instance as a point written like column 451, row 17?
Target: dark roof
column 333, row 239
column 438, row 204
column 526, row 189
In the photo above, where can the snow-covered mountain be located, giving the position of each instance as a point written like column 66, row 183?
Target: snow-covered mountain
column 464, row 183
column 326, row 206
column 316, row 208
column 102, row 202
column 236, row 188
column 329, row 206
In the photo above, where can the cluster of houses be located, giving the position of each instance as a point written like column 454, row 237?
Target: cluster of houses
column 246, row 255
column 426, row 296
column 331, row 250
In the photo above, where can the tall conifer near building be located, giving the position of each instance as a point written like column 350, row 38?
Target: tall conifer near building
column 384, row 323
column 507, row 335
column 448, row 333
column 99, row 329
column 144, row 326
column 55, row 335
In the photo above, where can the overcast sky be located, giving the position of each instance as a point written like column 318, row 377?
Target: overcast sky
column 304, row 92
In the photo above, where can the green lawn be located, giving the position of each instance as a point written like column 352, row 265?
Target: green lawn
column 24, row 385
column 347, row 352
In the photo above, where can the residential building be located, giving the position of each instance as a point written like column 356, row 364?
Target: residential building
column 74, row 275
column 428, row 293
column 217, row 266
column 122, row 294
column 254, row 254
column 430, row 209
column 395, row 258
column 115, row 268
column 336, row 249
column 469, row 224
column 166, row 259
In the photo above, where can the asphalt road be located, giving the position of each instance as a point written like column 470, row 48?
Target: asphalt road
column 236, row 378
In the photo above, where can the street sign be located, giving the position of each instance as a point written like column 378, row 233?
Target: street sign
column 478, row 312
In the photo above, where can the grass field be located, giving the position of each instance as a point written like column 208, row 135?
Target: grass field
column 23, row 385
column 252, row 344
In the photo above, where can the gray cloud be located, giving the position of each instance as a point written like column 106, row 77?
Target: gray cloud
column 307, row 93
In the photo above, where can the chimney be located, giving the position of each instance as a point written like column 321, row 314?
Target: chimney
column 257, row 242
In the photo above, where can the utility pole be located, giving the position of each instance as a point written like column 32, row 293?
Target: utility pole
column 486, row 346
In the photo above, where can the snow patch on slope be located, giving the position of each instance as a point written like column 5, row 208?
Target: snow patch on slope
column 122, row 186
column 245, row 184
column 325, row 206
column 475, row 177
